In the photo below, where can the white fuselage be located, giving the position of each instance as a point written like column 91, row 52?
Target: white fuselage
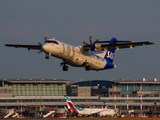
column 107, row 112
column 103, row 112
column 89, row 111
column 73, row 56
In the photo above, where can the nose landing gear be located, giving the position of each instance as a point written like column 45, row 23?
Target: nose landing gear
column 86, row 66
column 47, row 56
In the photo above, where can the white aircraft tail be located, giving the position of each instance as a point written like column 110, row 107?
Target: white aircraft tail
column 105, row 104
column 70, row 105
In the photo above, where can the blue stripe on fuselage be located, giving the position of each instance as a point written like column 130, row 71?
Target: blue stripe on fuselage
column 109, row 65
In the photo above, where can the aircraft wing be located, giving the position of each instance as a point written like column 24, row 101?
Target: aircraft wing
column 118, row 45
column 35, row 47
column 125, row 45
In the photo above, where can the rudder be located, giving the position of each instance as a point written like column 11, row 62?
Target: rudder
column 110, row 53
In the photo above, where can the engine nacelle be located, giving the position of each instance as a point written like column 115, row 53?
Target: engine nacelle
column 98, row 48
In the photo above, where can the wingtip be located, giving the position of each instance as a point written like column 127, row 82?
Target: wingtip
column 151, row 42
column 6, row 45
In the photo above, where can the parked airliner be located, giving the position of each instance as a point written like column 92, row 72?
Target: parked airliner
column 80, row 111
column 85, row 55
column 89, row 111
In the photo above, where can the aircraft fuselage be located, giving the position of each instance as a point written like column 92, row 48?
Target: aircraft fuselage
column 75, row 56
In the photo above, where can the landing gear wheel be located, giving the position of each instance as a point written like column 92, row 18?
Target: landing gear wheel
column 47, row 57
column 65, row 68
column 87, row 68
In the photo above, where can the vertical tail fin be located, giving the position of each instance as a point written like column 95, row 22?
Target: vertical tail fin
column 69, row 103
column 105, row 104
column 110, row 53
column 71, row 106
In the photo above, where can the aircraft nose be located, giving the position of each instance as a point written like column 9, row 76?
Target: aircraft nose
column 115, row 66
column 44, row 47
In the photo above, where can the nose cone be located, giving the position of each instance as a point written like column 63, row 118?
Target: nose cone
column 44, row 47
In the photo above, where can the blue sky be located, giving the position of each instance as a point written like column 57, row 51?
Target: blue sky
column 71, row 21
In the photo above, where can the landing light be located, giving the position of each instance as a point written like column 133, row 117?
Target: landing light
column 117, row 48
column 151, row 42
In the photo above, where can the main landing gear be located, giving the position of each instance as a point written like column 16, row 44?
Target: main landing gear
column 47, row 56
column 87, row 68
column 65, row 68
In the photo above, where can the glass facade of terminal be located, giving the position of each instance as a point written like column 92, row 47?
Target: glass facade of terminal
column 133, row 87
column 136, row 87
column 39, row 89
column 94, row 83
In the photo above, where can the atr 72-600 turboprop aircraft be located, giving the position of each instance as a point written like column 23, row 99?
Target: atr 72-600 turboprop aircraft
column 83, row 56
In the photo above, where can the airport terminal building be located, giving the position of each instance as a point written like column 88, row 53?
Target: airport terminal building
column 36, row 94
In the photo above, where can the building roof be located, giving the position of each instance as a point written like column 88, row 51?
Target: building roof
column 135, row 81
column 120, row 81
column 35, row 80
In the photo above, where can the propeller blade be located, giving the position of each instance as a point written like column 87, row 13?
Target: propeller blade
column 90, row 39
column 39, row 51
column 39, row 43
column 85, row 43
column 91, row 45
column 45, row 38
column 97, row 40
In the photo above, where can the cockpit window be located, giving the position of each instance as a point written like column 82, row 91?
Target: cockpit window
column 52, row 42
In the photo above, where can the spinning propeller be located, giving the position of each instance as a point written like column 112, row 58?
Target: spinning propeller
column 45, row 39
column 91, row 45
